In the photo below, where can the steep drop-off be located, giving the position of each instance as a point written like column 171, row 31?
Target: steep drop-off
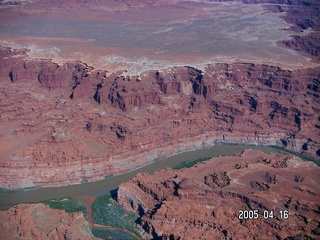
column 205, row 201
column 38, row 221
column 93, row 123
column 305, row 19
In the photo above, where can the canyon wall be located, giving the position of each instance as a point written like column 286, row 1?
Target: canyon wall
column 95, row 123
column 304, row 17
column 206, row 201
column 38, row 221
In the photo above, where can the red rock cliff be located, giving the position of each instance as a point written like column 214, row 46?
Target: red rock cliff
column 205, row 201
column 38, row 221
column 93, row 123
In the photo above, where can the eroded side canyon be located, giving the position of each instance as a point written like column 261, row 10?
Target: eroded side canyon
column 205, row 201
column 94, row 123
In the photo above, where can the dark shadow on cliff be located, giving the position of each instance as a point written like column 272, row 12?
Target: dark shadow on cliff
column 114, row 193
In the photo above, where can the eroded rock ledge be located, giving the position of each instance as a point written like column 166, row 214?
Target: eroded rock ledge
column 203, row 202
column 38, row 221
column 93, row 123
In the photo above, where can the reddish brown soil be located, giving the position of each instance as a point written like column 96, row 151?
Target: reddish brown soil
column 88, row 203
column 91, row 123
column 64, row 122
column 203, row 202
column 38, row 221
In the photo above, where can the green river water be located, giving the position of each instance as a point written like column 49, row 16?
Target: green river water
column 104, row 186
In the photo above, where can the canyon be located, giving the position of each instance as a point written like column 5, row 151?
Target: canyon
column 88, row 121
column 90, row 90
column 206, row 201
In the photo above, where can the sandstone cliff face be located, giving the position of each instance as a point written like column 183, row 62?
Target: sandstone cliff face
column 93, row 123
column 304, row 17
column 38, row 221
column 50, row 75
column 203, row 202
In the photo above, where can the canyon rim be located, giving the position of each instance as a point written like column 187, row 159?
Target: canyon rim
column 91, row 89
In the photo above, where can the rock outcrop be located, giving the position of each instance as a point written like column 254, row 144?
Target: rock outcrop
column 304, row 17
column 38, row 221
column 93, row 123
column 207, row 201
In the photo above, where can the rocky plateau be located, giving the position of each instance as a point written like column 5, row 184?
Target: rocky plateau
column 67, row 118
column 93, row 123
column 38, row 221
column 205, row 201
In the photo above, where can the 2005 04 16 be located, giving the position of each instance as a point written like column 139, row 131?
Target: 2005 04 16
column 266, row 214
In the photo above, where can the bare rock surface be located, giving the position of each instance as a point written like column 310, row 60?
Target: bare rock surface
column 180, row 204
column 93, row 123
column 144, row 35
column 38, row 221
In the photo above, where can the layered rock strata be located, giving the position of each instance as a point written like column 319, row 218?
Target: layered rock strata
column 206, row 201
column 93, row 123
column 305, row 19
column 38, row 221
